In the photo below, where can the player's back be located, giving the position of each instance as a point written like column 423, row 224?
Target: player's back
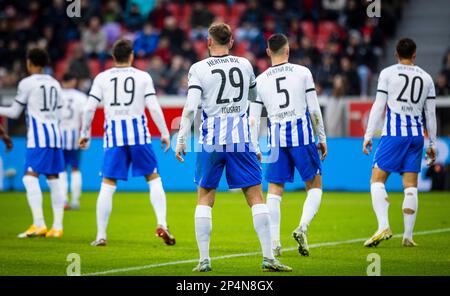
column 123, row 91
column 407, row 88
column 282, row 89
column 41, row 94
column 73, row 102
column 225, row 82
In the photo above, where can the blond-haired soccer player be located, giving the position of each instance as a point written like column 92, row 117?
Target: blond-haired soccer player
column 222, row 85
column 405, row 91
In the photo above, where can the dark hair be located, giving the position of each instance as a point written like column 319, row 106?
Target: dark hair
column 220, row 32
column 38, row 57
column 406, row 48
column 277, row 42
column 68, row 76
column 122, row 50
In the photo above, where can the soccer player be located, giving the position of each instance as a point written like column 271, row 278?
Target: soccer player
column 40, row 95
column 73, row 102
column 222, row 85
column 126, row 92
column 288, row 93
column 405, row 91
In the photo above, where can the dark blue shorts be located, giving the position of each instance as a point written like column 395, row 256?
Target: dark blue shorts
column 46, row 161
column 303, row 158
column 117, row 161
column 72, row 158
column 399, row 154
column 242, row 166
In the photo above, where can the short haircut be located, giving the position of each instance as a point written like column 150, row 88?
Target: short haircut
column 406, row 48
column 221, row 33
column 68, row 77
column 122, row 50
column 38, row 57
column 276, row 42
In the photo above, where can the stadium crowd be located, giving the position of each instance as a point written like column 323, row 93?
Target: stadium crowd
column 334, row 38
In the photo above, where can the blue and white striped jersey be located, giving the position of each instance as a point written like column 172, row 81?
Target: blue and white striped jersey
column 283, row 89
column 41, row 96
column 124, row 92
column 407, row 88
column 224, row 82
column 73, row 102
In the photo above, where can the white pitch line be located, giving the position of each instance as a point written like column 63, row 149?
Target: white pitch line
column 317, row 245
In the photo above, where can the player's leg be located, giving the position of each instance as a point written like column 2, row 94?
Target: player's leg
column 57, row 197
column 116, row 162
column 63, row 176
column 274, row 196
column 76, row 179
column 307, row 162
column 34, row 198
column 409, row 207
column 209, row 168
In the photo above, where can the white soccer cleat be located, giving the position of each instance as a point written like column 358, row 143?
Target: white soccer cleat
column 300, row 236
column 409, row 243
column 378, row 237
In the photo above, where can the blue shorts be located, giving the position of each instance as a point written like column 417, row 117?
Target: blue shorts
column 242, row 166
column 72, row 158
column 303, row 158
column 399, row 154
column 117, row 161
column 46, row 161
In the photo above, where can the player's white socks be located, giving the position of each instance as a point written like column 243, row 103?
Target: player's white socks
column 203, row 228
column 104, row 208
column 310, row 207
column 273, row 205
column 64, row 186
column 410, row 203
column 57, row 197
column 261, row 223
column 34, row 197
column 158, row 200
column 75, row 186
column 380, row 204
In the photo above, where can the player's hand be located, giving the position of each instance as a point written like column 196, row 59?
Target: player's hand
column 83, row 143
column 367, row 147
column 180, row 150
column 165, row 141
column 259, row 155
column 322, row 147
column 8, row 142
column 431, row 155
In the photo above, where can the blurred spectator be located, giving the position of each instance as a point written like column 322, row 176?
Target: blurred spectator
column 172, row 32
column 253, row 14
column 163, row 50
column 94, row 39
column 335, row 107
column 201, row 19
column 437, row 173
column 145, row 6
column 332, row 9
column 351, row 77
column 134, row 18
column 442, row 85
column 175, row 74
column 79, row 67
column 158, row 14
column 156, row 70
column 146, row 41
column 325, row 73
column 112, row 12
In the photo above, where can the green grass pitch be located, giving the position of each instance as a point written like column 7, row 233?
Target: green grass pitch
column 134, row 250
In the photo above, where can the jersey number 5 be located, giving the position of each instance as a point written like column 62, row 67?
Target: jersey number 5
column 413, row 84
column 238, row 84
column 128, row 87
column 282, row 90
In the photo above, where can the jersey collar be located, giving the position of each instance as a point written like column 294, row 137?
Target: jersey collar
column 279, row 65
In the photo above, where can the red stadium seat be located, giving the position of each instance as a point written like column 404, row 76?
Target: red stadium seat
column 326, row 28
column 61, row 68
column 70, row 47
column 262, row 65
column 109, row 64
column 141, row 64
column 174, row 9
column 240, row 49
column 219, row 10
column 308, row 29
column 94, row 66
column 200, row 47
column 238, row 9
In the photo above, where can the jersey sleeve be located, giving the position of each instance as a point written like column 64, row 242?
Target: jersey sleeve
column 382, row 86
column 22, row 93
column 309, row 83
column 194, row 79
column 96, row 90
column 149, row 87
column 431, row 90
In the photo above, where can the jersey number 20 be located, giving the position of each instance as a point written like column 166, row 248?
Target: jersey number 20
column 413, row 84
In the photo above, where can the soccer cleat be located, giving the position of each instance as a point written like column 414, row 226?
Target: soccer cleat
column 277, row 251
column 203, row 266
column 74, row 206
column 274, row 265
column 300, row 236
column 54, row 233
column 164, row 233
column 378, row 237
column 409, row 243
column 99, row 243
column 66, row 206
column 34, row 231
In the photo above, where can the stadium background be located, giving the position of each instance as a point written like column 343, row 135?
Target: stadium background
column 343, row 47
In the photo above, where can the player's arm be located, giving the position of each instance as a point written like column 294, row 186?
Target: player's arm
column 376, row 113
column 19, row 103
column 95, row 97
column 157, row 114
column 316, row 115
column 6, row 139
column 431, row 125
column 254, row 120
